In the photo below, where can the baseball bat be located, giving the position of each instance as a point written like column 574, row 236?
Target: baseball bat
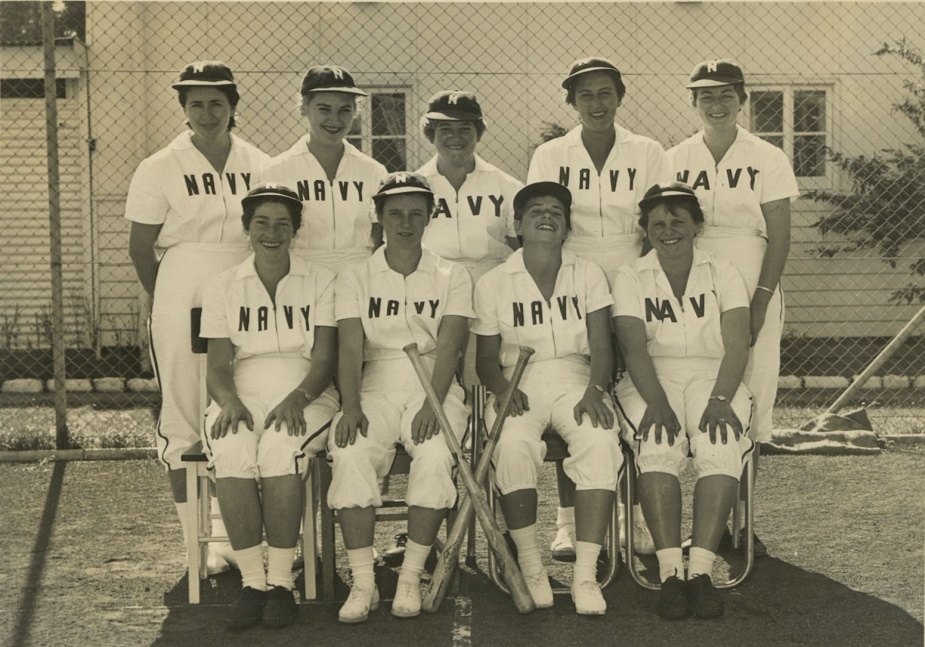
column 448, row 558
column 510, row 571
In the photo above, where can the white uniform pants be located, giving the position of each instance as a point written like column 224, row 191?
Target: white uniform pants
column 761, row 373
column 181, row 274
column 262, row 383
column 390, row 397
column 553, row 388
column 688, row 383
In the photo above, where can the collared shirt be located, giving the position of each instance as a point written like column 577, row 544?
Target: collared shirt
column 509, row 303
column 179, row 189
column 689, row 327
column 751, row 173
column 237, row 306
column 604, row 204
column 336, row 214
column 397, row 310
column 471, row 224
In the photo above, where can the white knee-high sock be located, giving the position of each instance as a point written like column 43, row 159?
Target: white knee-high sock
column 412, row 566
column 279, row 566
column 700, row 562
column 528, row 551
column 250, row 562
column 361, row 566
column 670, row 562
column 585, row 561
column 565, row 517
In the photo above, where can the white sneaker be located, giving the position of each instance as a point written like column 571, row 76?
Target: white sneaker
column 588, row 599
column 643, row 544
column 563, row 546
column 220, row 558
column 359, row 603
column 407, row 602
column 540, row 590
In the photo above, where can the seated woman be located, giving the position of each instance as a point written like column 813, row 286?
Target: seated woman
column 559, row 304
column 681, row 317
column 403, row 293
column 272, row 354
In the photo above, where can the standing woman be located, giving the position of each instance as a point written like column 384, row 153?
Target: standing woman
column 559, row 304
column 333, row 179
column 272, row 353
column 473, row 222
column 185, row 206
column 403, row 293
column 745, row 186
column 607, row 168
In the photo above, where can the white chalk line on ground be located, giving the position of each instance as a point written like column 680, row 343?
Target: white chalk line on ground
column 462, row 622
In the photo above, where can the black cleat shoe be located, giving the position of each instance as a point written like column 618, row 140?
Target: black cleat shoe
column 281, row 609
column 395, row 555
column 702, row 598
column 672, row 599
column 248, row 610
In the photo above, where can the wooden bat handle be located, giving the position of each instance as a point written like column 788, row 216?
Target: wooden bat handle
column 510, row 571
column 448, row 559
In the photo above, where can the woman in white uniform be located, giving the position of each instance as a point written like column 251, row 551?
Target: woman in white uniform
column 272, row 353
column 185, row 206
column 403, row 293
column 745, row 186
column 559, row 304
column 607, row 168
column 333, row 179
column 682, row 323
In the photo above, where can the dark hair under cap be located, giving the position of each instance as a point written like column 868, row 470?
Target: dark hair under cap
column 671, row 195
column 586, row 66
column 272, row 192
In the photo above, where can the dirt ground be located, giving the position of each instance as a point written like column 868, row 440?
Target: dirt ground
column 92, row 555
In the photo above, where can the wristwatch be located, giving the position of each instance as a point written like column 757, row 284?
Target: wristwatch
column 597, row 388
column 305, row 394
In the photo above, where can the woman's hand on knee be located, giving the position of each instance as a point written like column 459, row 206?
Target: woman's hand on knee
column 519, row 404
column 291, row 412
column 425, row 425
column 350, row 423
column 592, row 403
column 717, row 419
column 662, row 419
column 231, row 415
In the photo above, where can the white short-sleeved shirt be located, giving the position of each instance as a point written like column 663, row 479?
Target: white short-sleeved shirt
column 236, row 306
column 751, row 173
column 336, row 214
column 606, row 204
column 471, row 224
column 397, row 310
column 509, row 303
column 179, row 189
column 689, row 327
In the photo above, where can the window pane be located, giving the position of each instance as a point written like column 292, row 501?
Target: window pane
column 767, row 112
column 390, row 153
column 809, row 111
column 30, row 88
column 777, row 140
column 809, row 155
column 388, row 114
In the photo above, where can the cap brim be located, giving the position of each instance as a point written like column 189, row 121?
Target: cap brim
column 344, row 89
column 668, row 194
column 714, row 83
column 402, row 190
column 568, row 80
column 193, row 83
column 453, row 115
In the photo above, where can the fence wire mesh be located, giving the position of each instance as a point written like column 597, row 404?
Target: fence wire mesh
column 817, row 90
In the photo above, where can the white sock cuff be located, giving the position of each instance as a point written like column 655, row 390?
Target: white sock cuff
column 279, row 566
column 565, row 516
column 586, row 554
column 700, row 561
column 413, row 564
column 524, row 537
column 670, row 562
column 250, row 563
column 361, row 561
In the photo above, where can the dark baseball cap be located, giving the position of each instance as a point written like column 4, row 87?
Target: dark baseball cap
column 402, row 182
column 454, row 105
column 538, row 189
column 711, row 74
column 587, row 65
column 329, row 78
column 666, row 190
column 271, row 190
column 204, row 73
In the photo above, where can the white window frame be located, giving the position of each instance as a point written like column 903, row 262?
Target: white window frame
column 827, row 180
column 365, row 116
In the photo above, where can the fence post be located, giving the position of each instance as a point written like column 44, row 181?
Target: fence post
column 54, row 229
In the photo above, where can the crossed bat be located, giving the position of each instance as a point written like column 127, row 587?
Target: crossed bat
column 448, row 558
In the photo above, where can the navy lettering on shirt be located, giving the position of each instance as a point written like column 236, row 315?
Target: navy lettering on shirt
column 661, row 308
column 392, row 307
column 209, row 186
column 263, row 318
column 317, row 190
column 537, row 317
column 584, row 178
column 497, row 201
column 442, row 209
column 733, row 176
column 208, row 183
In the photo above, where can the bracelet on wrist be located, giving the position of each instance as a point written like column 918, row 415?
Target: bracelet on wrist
column 305, row 394
column 768, row 290
column 597, row 388
column 719, row 398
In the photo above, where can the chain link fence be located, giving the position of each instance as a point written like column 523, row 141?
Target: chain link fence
column 816, row 89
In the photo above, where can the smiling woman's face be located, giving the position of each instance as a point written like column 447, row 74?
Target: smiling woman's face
column 404, row 218
column 596, row 101
column 718, row 107
column 271, row 230
column 671, row 233
column 207, row 111
column 330, row 115
column 543, row 220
